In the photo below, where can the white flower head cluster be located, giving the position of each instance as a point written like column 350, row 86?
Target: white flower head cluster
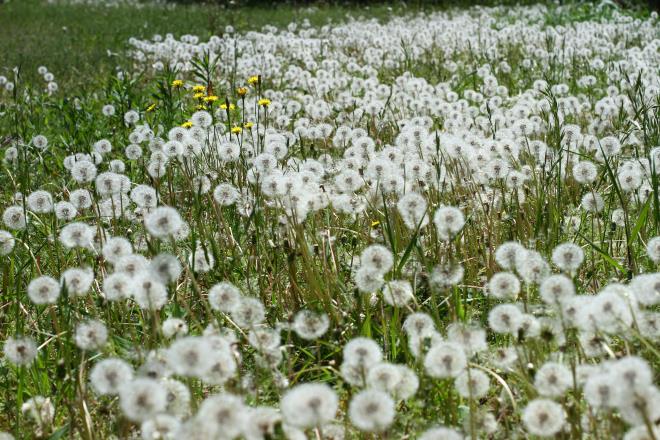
column 378, row 227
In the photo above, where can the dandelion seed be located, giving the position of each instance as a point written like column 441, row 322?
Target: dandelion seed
column 224, row 297
column 367, row 280
column 248, row 312
column 553, row 379
column 441, row 433
column 174, row 327
column 142, row 399
column 640, row 404
column 20, row 350
column 83, row 171
column 448, row 222
column 190, row 356
column 43, row 290
column 398, row 293
column 633, row 372
column 41, row 410
column 544, row 418
column 133, row 152
column 585, row 172
column 77, row 281
column 362, row 351
column 81, row 199
column 471, row 337
column 40, row 202
column 445, row 359
column 372, row 411
column 384, row 377
column 309, row 325
column 472, row 384
column 568, row 257
column 652, row 249
column 102, row 146
column 504, row 285
column 65, row 211
column 412, row 208
column 163, row 222
column 7, row 243
column 556, row 289
column 309, row 405
column 162, row 426
column 77, row 235
column 117, row 286
column 506, row 254
column 144, row 196
column 223, row 367
column 531, row 266
column 40, row 142
column 166, row 267
column 131, row 264
column 108, row 110
column 226, row 194
column 592, row 202
column 611, row 312
column 148, row 292
column 505, row 318
column 600, row 392
column 376, row 258
column 14, row 218
column 263, row 423
column 446, row 275
column 91, row 335
column 201, row 261
column 131, row 117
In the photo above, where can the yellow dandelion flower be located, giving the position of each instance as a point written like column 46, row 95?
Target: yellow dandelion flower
column 242, row 91
column 211, row 98
column 201, row 107
column 199, row 88
column 151, row 107
column 177, row 83
column 248, row 125
column 264, row 102
column 187, row 124
column 198, row 95
column 236, row 130
column 253, row 80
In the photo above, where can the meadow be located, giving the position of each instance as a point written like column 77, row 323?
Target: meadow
column 329, row 222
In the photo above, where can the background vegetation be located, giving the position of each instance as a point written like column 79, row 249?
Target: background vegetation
column 81, row 42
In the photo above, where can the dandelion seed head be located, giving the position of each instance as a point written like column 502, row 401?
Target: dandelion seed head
column 309, row 405
column 109, row 375
column 505, row 318
column 445, row 359
column 20, row 350
column 371, row 411
column 43, row 290
column 142, row 399
column 543, row 417
column 91, row 335
column 309, row 325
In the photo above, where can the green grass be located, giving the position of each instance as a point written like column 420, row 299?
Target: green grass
column 73, row 41
column 80, row 43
